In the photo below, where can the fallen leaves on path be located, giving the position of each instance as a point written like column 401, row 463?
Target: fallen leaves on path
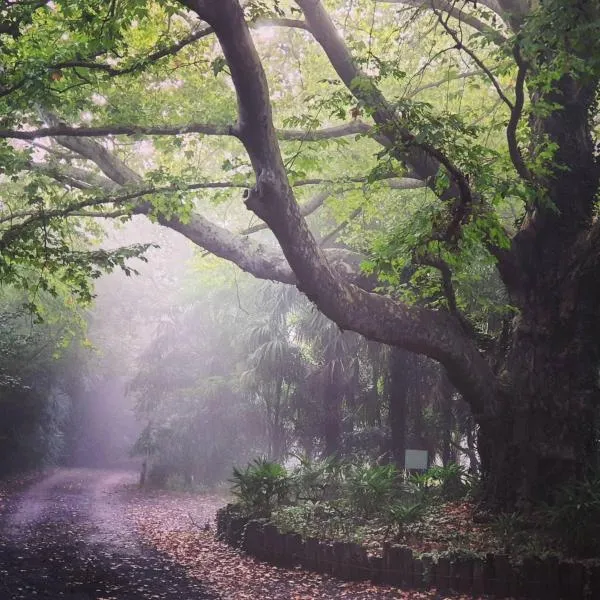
column 175, row 524
column 12, row 484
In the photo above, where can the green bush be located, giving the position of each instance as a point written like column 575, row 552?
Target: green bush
column 261, row 486
column 401, row 514
column 369, row 489
column 574, row 516
column 449, row 482
column 452, row 479
column 315, row 481
column 508, row 527
column 330, row 520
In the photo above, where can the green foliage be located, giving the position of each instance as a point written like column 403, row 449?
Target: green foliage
column 324, row 520
column 316, row 480
column 574, row 516
column 452, row 479
column 35, row 398
column 509, row 528
column 449, row 482
column 401, row 514
column 369, row 488
column 349, row 501
column 261, row 486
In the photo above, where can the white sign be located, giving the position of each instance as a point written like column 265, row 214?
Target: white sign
column 415, row 459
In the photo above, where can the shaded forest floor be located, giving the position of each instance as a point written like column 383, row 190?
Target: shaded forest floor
column 182, row 526
column 66, row 534
column 91, row 534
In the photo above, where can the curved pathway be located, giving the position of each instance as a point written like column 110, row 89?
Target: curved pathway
column 67, row 536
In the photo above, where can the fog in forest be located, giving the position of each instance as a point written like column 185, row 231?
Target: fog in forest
column 172, row 372
column 127, row 314
column 316, row 280
column 192, row 367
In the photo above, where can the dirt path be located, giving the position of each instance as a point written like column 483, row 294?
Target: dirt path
column 68, row 536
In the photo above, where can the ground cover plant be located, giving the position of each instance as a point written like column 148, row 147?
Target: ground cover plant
column 434, row 512
column 175, row 522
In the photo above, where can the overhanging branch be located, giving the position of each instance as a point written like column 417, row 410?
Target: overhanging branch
column 62, row 130
column 436, row 334
column 424, row 159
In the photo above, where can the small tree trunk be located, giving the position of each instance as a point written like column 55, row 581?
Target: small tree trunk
column 401, row 362
column 144, row 473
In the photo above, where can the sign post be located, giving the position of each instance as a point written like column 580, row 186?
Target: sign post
column 415, row 460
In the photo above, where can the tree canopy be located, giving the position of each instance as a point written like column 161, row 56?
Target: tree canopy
column 425, row 172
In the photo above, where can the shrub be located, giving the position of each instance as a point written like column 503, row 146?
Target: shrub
column 508, row 527
column 330, row 520
column 401, row 514
column 449, row 482
column 370, row 489
column 452, row 479
column 261, row 486
column 575, row 516
column 315, row 481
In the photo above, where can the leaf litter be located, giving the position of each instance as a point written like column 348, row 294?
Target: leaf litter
column 182, row 526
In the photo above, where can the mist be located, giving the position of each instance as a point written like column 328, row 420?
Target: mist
column 125, row 315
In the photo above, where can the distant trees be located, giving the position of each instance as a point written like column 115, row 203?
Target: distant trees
column 196, row 420
column 245, row 370
column 35, row 397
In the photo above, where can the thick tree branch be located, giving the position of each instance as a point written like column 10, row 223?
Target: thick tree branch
column 258, row 259
column 425, row 160
column 437, row 334
column 82, row 179
column 85, row 179
column 62, row 130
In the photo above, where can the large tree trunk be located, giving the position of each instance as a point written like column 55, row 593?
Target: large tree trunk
column 541, row 433
column 536, row 429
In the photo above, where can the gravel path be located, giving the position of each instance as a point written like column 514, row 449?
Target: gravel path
column 68, row 536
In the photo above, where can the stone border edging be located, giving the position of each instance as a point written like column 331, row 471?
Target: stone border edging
column 534, row 579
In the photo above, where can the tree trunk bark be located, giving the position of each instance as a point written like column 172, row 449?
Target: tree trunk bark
column 401, row 363
column 541, row 432
column 447, row 420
